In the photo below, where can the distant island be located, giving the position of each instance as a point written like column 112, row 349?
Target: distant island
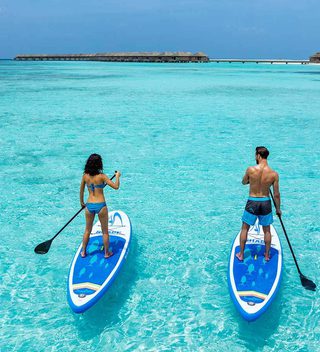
column 181, row 57
column 121, row 57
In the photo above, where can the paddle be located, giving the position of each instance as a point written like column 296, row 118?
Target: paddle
column 44, row 247
column 306, row 283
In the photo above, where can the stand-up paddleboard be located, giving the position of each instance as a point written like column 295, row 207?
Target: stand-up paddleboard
column 254, row 282
column 90, row 277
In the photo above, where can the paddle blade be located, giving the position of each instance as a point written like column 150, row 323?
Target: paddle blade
column 43, row 247
column 308, row 284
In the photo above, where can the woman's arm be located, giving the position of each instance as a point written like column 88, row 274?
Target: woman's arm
column 114, row 185
column 82, row 185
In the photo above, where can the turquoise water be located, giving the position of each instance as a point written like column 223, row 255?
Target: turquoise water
column 182, row 136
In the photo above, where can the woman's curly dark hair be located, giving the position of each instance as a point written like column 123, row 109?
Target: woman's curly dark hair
column 94, row 165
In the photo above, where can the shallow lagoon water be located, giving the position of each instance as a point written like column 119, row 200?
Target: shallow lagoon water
column 182, row 136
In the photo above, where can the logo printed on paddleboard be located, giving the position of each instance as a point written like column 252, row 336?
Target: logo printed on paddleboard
column 113, row 217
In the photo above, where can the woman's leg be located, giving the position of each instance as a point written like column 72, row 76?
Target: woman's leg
column 86, row 235
column 103, row 217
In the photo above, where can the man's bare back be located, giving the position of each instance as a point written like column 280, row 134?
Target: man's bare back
column 260, row 177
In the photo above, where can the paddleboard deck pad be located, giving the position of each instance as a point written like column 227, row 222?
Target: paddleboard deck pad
column 90, row 277
column 254, row 282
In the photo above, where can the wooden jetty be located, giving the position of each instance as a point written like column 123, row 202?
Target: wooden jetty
column 120, row 57
column 262, row 61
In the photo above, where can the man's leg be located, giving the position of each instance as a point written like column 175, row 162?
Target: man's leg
column 243, row 239
column 267, row 241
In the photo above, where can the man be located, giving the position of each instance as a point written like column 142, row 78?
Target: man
column 260, row 178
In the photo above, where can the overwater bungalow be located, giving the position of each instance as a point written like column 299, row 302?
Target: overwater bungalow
column 315, row 58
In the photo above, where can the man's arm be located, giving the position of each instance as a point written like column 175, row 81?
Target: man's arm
column 245, row 179
column 276, row 194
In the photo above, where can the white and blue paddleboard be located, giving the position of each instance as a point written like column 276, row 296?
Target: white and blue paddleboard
column 254, row 282
column 90, row 277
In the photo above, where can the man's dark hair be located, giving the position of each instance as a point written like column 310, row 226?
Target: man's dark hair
column 263, row 152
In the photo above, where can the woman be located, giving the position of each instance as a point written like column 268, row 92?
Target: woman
column 96, row 204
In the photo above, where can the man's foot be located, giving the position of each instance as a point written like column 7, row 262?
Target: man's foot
column 266, row 257
column 108, row 255
column 239, row 256
column 83, row 254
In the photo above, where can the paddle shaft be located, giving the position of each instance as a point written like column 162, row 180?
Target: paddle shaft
column 285, row 232
column 79, row 211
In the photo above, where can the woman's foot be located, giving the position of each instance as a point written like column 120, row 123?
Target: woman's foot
column 83, row 254
column 266, row 257
column 108, row 255
column 239, row 256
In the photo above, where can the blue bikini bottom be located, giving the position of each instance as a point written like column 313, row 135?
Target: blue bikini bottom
column 94, row 208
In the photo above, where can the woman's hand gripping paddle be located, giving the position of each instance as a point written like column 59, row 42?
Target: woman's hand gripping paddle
column 306, row 283
column 44, row 247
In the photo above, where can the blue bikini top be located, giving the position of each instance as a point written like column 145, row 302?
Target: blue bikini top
column 92, row 186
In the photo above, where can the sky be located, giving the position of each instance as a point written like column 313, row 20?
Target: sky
column 220, row 28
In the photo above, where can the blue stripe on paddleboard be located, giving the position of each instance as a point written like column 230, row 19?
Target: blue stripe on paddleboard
column 94, row 267
column 254, row 273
